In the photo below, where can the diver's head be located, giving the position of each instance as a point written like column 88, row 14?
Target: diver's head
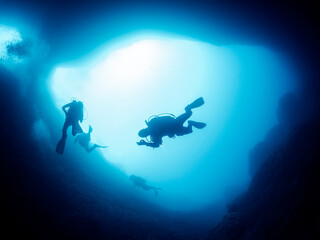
column 144, row 132
column 80, row 104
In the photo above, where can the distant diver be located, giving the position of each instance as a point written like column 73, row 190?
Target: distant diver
column 140, row 182
column 160, row 126
column 74, row 114
column 84, row 139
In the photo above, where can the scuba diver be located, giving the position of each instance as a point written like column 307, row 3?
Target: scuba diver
column 140, row 182
column 84, row 139
column 74, row 114
column 160, row 126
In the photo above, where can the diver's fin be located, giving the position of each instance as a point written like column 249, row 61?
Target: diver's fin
column 61, row 144
column 198, row 125
column 99, row 146
column 196, row 103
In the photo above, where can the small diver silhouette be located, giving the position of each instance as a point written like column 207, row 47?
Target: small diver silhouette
column 74, row 114
column 84, row 139
column 160, row 126
column 140, row 182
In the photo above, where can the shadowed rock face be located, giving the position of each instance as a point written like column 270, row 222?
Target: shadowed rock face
column 290, row 112
column 282, row 201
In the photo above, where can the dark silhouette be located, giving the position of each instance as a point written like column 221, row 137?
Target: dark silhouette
column 84, row 139
column 73, row 116
column 160, row 126
column 140, row 182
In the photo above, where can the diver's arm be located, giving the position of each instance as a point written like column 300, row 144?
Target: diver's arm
column 142, row 142
column 81, row 116
column 152, row 144
column 65, row 106
column 148, row 144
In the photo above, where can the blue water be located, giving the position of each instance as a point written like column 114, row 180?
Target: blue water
column 241, row 85
column 125, row 81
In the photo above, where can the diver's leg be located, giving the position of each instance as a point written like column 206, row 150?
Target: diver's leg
column 180, row 129
column 184, row 117
column 62, row 142
column 187, row 130
column 90, row 149
column 184, row 130
column 76, row 128
column 65, row 127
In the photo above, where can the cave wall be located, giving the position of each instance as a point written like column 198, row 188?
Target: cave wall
column 282, row 199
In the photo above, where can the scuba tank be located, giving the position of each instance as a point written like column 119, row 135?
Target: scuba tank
column 158, row 116
column 160, row 121
column 78, row 109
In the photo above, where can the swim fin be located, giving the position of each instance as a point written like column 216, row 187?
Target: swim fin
column 196, row 103
column 99, row 146
column 198, row 125
column 61, row 144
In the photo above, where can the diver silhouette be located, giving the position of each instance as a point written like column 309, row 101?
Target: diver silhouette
column 140, row 182
column 84, row 139
column 74, row 114
column 160, row 126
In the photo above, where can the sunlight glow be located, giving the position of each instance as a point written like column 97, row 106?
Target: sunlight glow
column 128, row 68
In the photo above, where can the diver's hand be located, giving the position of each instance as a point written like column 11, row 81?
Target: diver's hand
column 142, row 142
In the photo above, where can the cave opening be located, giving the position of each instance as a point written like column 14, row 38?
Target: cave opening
column 128, row 79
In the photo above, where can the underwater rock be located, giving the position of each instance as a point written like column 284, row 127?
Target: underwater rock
column 261, row 152
column 289, row 113
column 289, row 110
column 282, row 201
